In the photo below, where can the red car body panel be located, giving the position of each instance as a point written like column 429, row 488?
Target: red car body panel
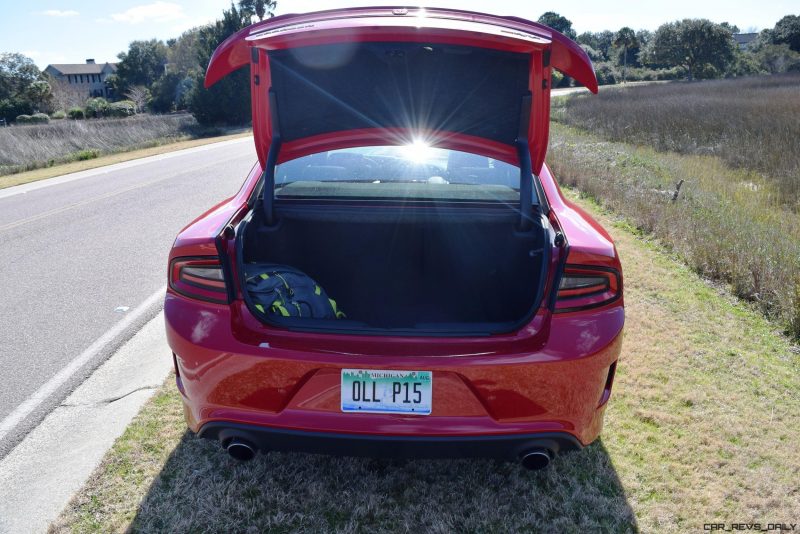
column 554, row 374
column 560, row 387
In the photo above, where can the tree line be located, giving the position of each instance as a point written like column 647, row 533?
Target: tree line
column 167, row 76
column 688, row 48
column 153, row 75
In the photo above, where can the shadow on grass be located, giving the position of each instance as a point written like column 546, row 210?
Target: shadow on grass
column 201, row 489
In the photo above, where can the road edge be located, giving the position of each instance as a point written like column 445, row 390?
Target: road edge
column 42, row 473
column 34, row 409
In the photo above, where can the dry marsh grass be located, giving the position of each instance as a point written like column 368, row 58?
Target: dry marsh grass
column 724, row 223
column 43, row 173
column 749, row 123
column 701, row 428
column 24, row 148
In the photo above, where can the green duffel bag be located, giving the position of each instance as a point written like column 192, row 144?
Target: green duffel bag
column 283, row 291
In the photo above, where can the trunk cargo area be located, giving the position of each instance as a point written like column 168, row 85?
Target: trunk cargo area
column 416, row 270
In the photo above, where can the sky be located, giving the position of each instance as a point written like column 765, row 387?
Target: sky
column 73, row 30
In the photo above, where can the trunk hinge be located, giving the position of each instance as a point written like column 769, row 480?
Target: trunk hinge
column 272, row 158
column 526, row 193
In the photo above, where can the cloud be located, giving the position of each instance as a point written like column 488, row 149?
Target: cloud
column 60, row 13
column 155, row 12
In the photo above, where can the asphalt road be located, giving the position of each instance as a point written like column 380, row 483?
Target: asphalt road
column 77, row 255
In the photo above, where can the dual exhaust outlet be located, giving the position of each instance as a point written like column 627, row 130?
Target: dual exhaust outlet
column 241, row 450
column 532, row 459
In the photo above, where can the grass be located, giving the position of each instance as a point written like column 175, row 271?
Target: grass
column 117, row 157
column 725, row 222
column 750, row 123
column 25, row 148
column 701, row 428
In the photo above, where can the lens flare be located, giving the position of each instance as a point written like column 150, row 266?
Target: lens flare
column 418, row 151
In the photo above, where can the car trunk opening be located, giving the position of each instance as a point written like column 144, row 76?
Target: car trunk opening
column 407, row 270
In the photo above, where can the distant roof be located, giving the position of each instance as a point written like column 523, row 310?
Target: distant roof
column 82, row 68
column 744, row 38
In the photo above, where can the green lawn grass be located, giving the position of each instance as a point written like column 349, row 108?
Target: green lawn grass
column 701, row 427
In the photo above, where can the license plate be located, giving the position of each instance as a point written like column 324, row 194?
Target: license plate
column 379, row 391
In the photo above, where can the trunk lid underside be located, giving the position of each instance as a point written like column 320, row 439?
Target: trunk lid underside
column 353, row 77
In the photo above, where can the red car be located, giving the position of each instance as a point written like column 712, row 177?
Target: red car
column 475, row 311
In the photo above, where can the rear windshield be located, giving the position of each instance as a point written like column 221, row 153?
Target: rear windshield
column 414, row 171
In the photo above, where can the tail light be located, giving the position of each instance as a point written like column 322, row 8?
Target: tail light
column 199, row 278
column 584, row 287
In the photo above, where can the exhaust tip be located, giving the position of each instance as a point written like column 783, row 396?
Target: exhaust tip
column 240, row 450
column 535, row 459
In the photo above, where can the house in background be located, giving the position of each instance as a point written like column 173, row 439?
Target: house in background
column 744, row 39
column 84, row 79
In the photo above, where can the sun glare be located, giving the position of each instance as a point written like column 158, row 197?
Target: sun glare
column 418, row 151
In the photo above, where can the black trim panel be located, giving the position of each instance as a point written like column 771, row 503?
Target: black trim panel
column 504, row 446
column 412, row 85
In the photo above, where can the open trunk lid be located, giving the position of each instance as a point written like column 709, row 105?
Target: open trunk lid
column 365, row 76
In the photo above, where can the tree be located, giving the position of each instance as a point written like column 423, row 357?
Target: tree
column 733, row 28
column 744, row 63
column 38, row 93
column 764, row 38
column 227, row 101
column 787, row 31
column 626, row 39
column 182, row 53
column 599, row 41
column 593, row 54
column 643, row 37
column 164, row 93
column 142, row 64
column 63, row 96
column 23, row 87
column 558, row 23
column 705, row 49
column 17, row 73
column 171, row 92
column 777, row 58
column 259, row 8
column 140, row 96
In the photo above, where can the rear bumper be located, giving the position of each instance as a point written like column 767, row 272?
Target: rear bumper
column 489, row 403
column 507, row 447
